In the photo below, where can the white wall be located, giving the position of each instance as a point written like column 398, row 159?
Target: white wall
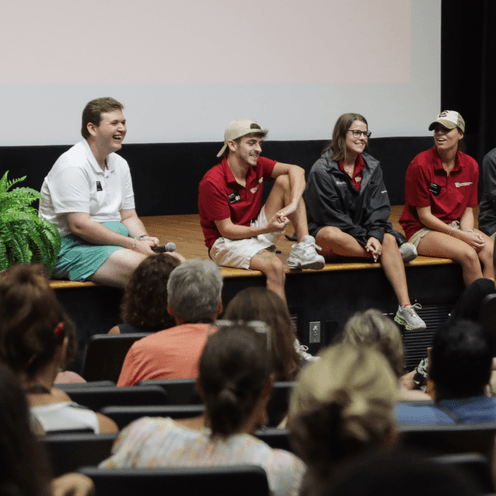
column 185, row 69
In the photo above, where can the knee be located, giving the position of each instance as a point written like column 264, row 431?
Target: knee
column 329, row 234
column 469, row 257
column 275, row 270
column 282, row 182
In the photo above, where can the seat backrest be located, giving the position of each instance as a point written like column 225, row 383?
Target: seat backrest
column 239, row 480
column 474, row 465
column 105, row 354
column 278, row 405
column 68, row 452
column 275, row 438
column 124, row 415
column 179, row 391
column 450, row 438
column 96, row 398
column 487, row 311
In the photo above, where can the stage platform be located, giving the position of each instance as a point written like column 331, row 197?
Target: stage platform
column 316, row 299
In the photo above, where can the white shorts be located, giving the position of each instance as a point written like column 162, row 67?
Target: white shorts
column 416, row 237
column 238, row 253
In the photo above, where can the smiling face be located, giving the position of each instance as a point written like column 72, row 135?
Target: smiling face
column 355, row 145
column 248, row 149
column 108, row 136
column 446, row 139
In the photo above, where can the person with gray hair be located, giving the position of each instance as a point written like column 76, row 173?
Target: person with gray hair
column 194, row 300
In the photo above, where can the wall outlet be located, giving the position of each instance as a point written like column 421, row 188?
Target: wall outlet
column 314, row 336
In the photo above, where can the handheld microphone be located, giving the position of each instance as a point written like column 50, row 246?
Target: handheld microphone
column 165, row 248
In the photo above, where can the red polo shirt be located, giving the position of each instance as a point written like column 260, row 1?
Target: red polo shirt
column 221, row 197
column 357, row 171
column 427, row 184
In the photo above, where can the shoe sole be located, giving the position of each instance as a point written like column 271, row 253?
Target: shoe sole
column 408, row 326
column 409, row 258
column 313, row 265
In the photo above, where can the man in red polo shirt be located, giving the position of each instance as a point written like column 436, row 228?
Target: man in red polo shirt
column 239, row 231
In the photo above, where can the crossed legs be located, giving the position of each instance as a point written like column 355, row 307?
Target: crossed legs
column 437, row 244
column 335, row 242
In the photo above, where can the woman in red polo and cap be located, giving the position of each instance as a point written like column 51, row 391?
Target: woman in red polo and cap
column 441, row 192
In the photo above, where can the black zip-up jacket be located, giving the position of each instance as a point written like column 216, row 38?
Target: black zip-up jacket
column 332, row 200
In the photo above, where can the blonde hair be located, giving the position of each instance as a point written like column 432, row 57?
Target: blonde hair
column 342, row 405
column 372, row 328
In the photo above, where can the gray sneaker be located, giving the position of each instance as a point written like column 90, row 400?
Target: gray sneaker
column 407, row 316
column 408, row 252
column 304, row 255
column 302, row 350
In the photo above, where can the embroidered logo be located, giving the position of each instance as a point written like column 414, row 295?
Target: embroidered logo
column 255, row 189
column 340, row 183
column 458, row 185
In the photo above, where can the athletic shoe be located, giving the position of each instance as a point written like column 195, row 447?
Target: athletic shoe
column 407, row 316
column 302, row 350
column 304, row 255
column 408, row 252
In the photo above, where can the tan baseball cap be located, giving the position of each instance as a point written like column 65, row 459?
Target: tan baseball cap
column 237, row 129
column 449, row 119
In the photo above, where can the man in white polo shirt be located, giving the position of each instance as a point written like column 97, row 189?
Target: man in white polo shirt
column 88, row 195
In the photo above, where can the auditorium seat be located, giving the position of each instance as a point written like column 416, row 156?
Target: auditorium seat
column 179, row 391
column 239, row 480
column 105, row 354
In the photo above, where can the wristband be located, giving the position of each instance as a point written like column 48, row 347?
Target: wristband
column 135, row 241
column 470, row 230
column 142, row 237
column 450, row 231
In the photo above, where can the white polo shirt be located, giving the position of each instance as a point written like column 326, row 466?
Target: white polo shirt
column 76, row 183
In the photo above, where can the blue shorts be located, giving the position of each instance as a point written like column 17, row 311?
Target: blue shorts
column 79, row 259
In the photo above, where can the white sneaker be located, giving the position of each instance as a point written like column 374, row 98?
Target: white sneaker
column 407, row 316
column 408, row 252
column 304, row 255
column 302, row 350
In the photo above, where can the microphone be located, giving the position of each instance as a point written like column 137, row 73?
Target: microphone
column 165, row 248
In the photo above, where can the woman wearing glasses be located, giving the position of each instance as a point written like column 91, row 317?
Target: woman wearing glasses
column 348, row 209
column 440, row 193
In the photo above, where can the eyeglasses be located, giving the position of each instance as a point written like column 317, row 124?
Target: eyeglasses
column 357, row 133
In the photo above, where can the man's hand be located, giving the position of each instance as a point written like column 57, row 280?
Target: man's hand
column 278, row 223
column 145, row 247
column 374, row 248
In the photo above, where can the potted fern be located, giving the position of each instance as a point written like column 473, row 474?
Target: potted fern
column 24, row 237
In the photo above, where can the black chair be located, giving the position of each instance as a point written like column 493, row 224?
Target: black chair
column 474, row 466
column 487, row 311
column 179, row 391
column 68, row 452
column 96, row 398
column 105, row 354
column 450, row 438
column 275, row 438
column 69, row 386
column 278, row 405
column 239, row 480
column 124, row 415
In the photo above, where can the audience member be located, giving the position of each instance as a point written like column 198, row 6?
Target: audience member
column 342, row 406
column 25, row 467
column 265, row 305
column 142, row 307
column 234, row 383
column 239, row 231
column 36, row 340
column 88, row 195
column 460, row 368
column 440, row 195
column 194, row 300
column 348, row 210
column 373, row 329
column 487, row 212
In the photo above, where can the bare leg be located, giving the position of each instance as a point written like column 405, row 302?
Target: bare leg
column 486, row 256
column 117, row 269
column 437, row 244
column 279, row 197
column 268, row 263
column 335, row 242
column 394, row 268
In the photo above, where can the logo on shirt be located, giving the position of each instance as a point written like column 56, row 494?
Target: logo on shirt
column 340, row 183
column 458, row 185
column 99, row 186
column 255, row 189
